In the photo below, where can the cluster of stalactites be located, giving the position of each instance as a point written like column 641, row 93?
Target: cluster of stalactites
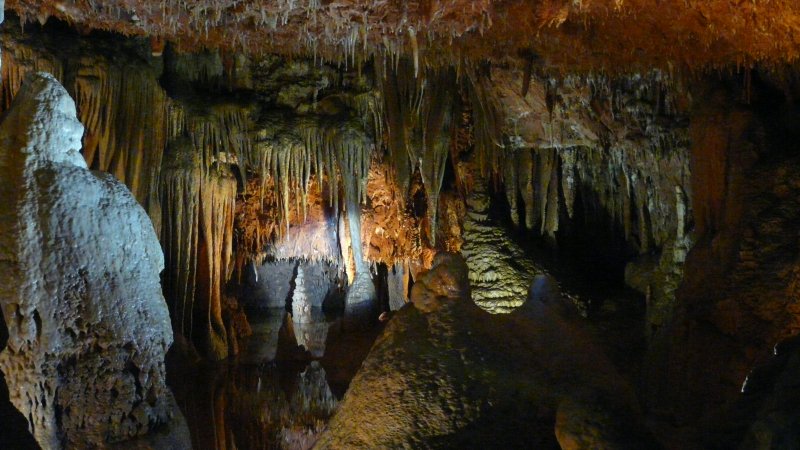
column 488, row 123
column 197, row 238
column 220, row 133
column 122, row 108
column 348, row 33
column 338, row 155
column 421, row 113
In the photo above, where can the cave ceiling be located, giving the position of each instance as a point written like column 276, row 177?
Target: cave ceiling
column 557, row 35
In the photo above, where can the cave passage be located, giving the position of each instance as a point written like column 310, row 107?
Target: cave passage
column 309, row 224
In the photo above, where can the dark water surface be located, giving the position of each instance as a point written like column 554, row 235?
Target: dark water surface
column 276, row 394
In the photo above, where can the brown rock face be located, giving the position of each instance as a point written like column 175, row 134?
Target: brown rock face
column 88, row 325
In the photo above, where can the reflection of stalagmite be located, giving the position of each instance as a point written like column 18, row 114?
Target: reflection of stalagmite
column 262, row 345
column 312, row 335
column 313, row 395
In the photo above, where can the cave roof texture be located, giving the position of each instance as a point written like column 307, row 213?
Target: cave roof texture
column 556, row 35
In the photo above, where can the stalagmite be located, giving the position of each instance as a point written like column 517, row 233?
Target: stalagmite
column 397, row 280
column 88, row 328
column 312, row 335
column 301, row 303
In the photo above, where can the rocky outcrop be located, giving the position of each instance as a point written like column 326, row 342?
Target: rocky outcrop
column 450, row 375
column 88, row 325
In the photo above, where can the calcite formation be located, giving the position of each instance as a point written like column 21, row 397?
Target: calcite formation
column 567, row 34
column 88, row 325
column 447, row 374
column 499, row 271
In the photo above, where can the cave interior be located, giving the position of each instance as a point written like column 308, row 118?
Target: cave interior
column 295, row 224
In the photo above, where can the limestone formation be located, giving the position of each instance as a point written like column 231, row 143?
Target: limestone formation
column 455, row 376
column 313, row 395
column 88, row 325
column 360, row 298
column 499, row 271
column 397, row 280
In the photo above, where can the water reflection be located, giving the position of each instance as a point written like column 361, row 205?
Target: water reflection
column 282, row 390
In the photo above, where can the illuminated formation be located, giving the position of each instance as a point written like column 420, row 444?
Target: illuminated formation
column 456, row 224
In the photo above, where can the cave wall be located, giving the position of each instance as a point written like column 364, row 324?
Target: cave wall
column 738, row 296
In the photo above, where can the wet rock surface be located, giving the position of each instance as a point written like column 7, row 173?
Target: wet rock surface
column 88, row 327
column 460, row 377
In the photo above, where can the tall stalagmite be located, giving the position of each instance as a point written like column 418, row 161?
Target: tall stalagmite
column 88, row 325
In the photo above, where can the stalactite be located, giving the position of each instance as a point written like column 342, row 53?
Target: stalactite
column 510, row 180
column 526, row 185
column 439, row 112
column 219, row 131
column 420, row 112
column 401, row 94
column 488, row 122
column 18, row 61
column 124, row 112
column 545, row 164
column 180, row 197
column 217, row 207
column 568, row 179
